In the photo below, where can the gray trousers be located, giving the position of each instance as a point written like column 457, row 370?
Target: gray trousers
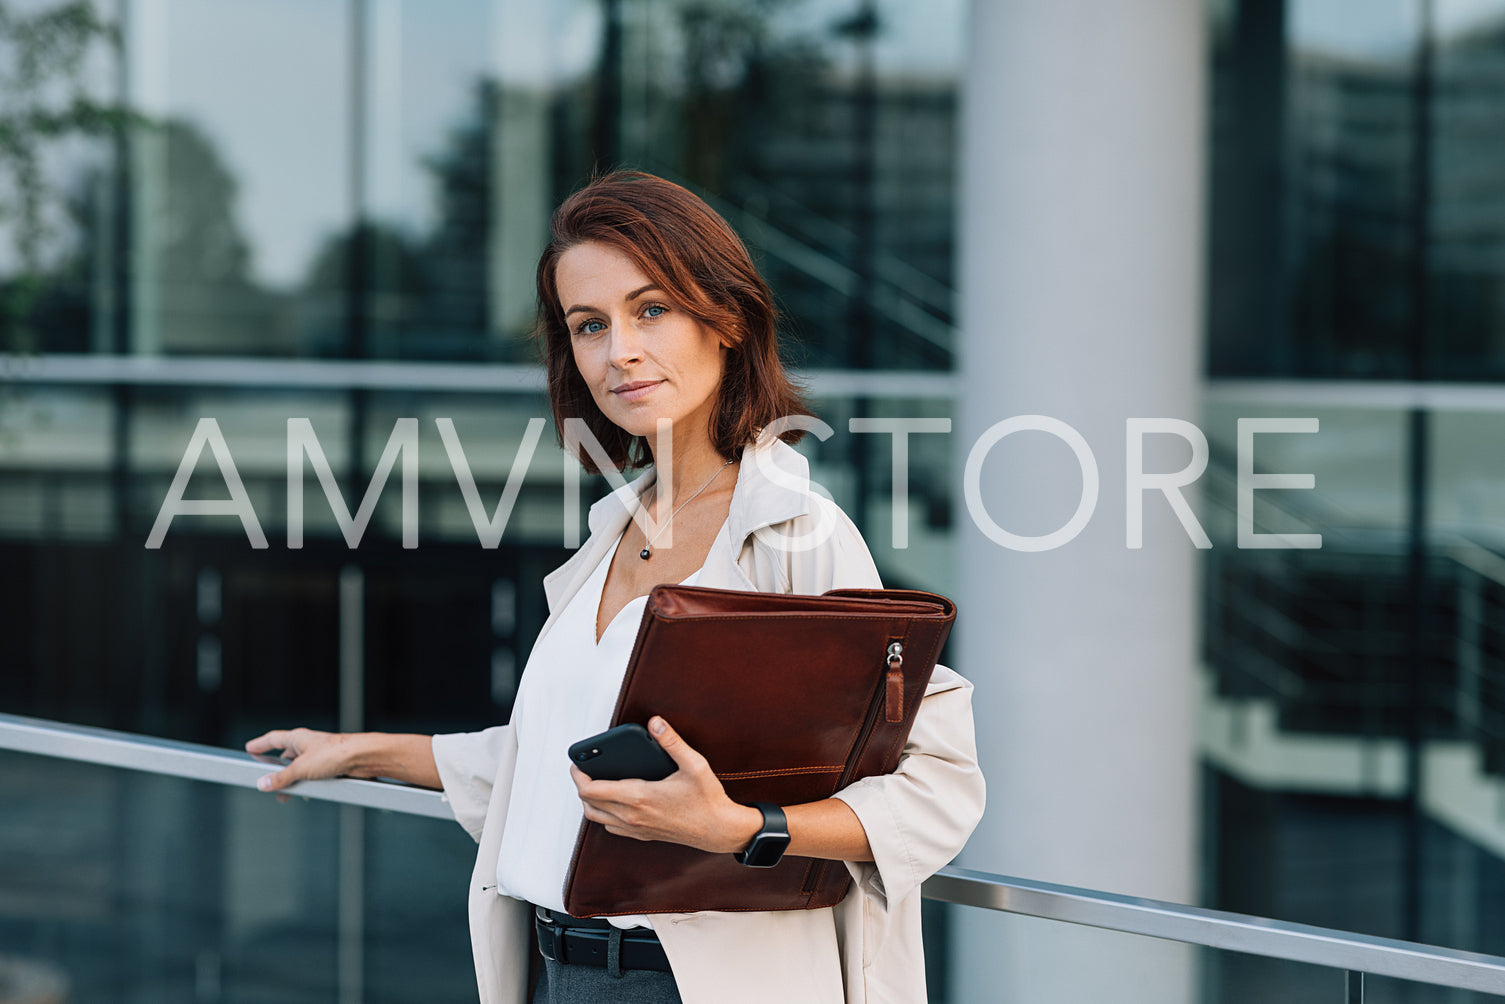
column 560, row 984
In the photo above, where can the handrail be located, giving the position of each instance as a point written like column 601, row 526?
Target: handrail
column 1111, row 911
column 203, row 763
column 1234, row 932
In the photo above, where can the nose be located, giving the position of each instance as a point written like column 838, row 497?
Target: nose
column 626, row 347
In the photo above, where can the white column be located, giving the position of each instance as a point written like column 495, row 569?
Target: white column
column 1080, row 286
column 147, row 56
column 521, row 195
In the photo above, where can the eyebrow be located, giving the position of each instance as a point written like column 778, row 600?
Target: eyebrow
column 577, row 308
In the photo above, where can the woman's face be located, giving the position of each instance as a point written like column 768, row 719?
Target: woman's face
column 642, row 356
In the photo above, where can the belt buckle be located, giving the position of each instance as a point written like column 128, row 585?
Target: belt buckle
column 550, row 940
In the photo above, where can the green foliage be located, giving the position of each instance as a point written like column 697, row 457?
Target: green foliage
column 43, row 101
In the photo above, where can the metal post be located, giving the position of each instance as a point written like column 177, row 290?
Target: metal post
column 357, row 276
column 1354, row 987
column 1470, row 653
column 1418, row 447
column 861, row 318
column 352, row 862
column 608, row 111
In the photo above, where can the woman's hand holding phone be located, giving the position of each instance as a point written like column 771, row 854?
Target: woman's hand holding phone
column 626, row 751
column 688, row 806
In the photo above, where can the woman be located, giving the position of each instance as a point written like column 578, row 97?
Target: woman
column 660, row 343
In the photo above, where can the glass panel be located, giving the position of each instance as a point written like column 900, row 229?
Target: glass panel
column 1236, row 978
column 1313, row 113
column 60, row 240
column 424, row 269
column 139, row 888
column 1321, row 631
column 1312, row 706
column 997, row 956
column 1466, row 291
column 232, row 198
column 385, row 194
column 1315, row 110
column 207, row 638
column 1466, row 493
column 1008, row 957
column 825, row 132
column 1388, row 990
column 912, row 549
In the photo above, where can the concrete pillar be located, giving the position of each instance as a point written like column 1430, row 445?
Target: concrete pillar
column 1080, row 298
column 522, row 198
column 147, row 58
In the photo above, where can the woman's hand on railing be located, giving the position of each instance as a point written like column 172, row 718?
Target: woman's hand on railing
column 313, row 754
column 316, row 755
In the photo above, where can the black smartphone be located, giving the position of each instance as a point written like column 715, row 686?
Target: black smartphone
column 627, row 751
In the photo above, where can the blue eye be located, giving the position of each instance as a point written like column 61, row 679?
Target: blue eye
column 655, row 310
column 592, row 326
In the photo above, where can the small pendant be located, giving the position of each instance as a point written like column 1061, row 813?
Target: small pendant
column 645, row 554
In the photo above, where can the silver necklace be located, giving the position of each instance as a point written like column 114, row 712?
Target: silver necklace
column 647, row 551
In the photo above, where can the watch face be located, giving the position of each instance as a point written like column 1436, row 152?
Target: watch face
column 766, row 850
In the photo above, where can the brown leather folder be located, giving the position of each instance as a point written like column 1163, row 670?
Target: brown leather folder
column 790, row 699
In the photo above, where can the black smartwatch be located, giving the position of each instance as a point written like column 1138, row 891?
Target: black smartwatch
column 768, row 844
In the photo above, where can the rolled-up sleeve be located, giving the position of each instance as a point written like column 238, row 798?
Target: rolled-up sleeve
column 468, row 764
column 917, row 818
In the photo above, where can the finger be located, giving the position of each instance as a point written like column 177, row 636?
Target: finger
column 614, row 809
column 277, row 739
column 596, row 814
column 284, row 778
column 683, row 755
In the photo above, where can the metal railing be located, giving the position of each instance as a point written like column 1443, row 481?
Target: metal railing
column 1355, row 953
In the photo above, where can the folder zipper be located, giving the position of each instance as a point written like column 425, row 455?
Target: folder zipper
column 877, row 703
column 883, row 698
column 893, row 689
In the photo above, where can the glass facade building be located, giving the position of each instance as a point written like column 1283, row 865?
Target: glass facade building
column 331, row 210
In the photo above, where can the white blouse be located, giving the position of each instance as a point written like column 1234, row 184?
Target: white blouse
column 568, row 690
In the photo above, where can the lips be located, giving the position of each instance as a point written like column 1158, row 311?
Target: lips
column 636, row 389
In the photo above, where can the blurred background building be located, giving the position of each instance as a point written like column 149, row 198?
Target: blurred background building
column 1092, row 210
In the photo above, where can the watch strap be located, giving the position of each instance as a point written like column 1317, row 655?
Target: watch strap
column 767, row 846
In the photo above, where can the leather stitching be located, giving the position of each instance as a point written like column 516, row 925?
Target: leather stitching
column 739, row 775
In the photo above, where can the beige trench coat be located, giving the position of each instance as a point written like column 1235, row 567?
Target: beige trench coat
column 867, row 948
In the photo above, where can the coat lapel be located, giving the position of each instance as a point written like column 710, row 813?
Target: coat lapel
column 607, row 519
column 773, row 484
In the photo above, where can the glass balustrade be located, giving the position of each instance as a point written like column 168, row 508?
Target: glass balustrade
column 139, row 888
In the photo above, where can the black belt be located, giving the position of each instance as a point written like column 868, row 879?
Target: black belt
column 577, row 941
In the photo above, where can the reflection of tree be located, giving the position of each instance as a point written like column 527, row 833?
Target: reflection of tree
column 209, row 303
column 457, row 249
column 425, row 294
column 736, row 83
column 195, row 257
column 197, row 237
column 42, row 102
column 1349, row 251
column 397, row 278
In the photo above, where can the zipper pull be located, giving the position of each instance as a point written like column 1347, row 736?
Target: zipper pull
column 894, row 688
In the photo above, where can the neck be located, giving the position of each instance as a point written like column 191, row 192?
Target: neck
column 684, row 462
